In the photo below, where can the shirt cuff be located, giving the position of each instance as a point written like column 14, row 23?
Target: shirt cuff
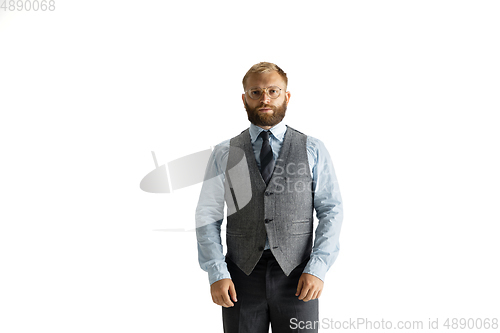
column 316, row 267
column 218, row 272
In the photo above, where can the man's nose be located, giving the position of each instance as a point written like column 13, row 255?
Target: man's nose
column 265, row 97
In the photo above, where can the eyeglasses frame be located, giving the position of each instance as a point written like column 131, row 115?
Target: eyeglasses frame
column 265, row 91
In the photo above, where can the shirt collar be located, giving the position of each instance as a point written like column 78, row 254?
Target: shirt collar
column 278, row 131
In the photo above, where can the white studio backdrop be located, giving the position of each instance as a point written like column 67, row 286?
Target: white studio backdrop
column 404, row 94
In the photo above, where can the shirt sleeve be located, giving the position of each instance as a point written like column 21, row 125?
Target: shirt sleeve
column 210, row 214
column 328, row 206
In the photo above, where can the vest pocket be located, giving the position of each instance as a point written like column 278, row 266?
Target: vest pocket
column 234, row 234
column 300, row 227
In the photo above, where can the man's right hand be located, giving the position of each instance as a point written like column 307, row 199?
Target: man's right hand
column 221, row 290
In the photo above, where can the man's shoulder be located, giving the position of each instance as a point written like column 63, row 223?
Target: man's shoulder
column 295, row 130
column 313, row 141
column 223, row 145
column 221, row 150
column 240, row 138
column 303, row 135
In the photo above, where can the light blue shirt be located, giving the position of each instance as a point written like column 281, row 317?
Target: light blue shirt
column 327, row 203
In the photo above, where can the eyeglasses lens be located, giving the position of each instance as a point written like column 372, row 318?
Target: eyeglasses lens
column 256, row 93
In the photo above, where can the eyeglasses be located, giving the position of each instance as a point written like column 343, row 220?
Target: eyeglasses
column 256, row 93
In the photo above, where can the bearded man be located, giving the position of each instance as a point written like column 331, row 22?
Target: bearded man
column 271, row 177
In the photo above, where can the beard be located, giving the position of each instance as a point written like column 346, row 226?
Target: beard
column 266, row 119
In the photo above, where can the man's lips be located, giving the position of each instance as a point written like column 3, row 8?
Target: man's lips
column 265, row 110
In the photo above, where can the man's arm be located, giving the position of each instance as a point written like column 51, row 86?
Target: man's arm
column 328, row 206
column 209, row 217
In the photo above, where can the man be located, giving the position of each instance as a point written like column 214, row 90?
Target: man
column 271, row 177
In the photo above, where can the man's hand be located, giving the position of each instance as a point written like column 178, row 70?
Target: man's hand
column 221, row 290
column 309, row 287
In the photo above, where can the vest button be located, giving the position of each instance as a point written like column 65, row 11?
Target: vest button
column 269, row 193
column 268, row 220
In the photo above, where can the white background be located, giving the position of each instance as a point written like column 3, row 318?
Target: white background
column 404, row 94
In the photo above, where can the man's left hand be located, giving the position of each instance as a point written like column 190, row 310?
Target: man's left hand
column 309, row 287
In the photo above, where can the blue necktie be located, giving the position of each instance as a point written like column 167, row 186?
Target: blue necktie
column 266, row 158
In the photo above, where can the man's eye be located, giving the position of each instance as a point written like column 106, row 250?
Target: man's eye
column 273, row 91
column 255, row 92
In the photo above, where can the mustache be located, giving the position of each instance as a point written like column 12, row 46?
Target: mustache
column 267, row 107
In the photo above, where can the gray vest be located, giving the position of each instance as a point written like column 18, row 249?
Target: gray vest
column 283, row 210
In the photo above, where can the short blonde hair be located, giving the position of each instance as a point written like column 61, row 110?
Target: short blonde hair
column 264, row 67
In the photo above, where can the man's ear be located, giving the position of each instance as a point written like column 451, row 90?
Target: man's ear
column 287, row 95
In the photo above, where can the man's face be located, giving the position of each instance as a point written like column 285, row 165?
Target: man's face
column 265, row 111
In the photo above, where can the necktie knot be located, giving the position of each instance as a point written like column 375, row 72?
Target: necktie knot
column 265, row 135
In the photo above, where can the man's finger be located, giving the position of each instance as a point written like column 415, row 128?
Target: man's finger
column 299, row 287
column 232, row 292
column 308, row 296
column 304, row 292
column 226, row 300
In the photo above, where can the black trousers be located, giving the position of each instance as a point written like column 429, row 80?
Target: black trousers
column 266, row 296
